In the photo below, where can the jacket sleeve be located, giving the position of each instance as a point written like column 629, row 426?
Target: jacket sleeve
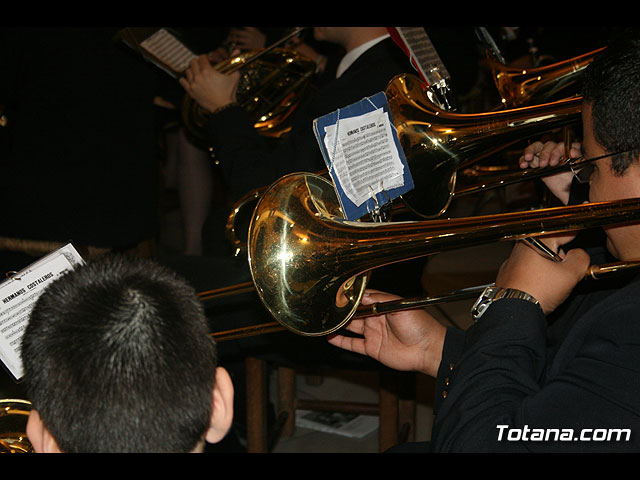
column 499, row 365
column 453, row 346
column 503, row 395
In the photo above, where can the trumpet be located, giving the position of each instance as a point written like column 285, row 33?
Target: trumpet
column 310, row 267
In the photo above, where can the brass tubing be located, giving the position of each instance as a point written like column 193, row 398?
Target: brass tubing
column 377, row 308
column 250, row 331
column 235, row 67
column 594, row 272
column 528, row 86
column 597, row 272
column 14, row 414
column 227, row 291
column 529, row 174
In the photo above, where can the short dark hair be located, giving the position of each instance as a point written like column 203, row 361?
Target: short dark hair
column 611, row 85
column 118, row 358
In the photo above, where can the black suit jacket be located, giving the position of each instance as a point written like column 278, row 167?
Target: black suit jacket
column 578, row 373
column 246, row 160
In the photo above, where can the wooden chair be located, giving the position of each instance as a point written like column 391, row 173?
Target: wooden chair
column 396, row 405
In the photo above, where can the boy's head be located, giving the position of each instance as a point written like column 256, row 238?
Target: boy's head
column 118, row 358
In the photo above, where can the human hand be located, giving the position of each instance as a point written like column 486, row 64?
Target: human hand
column 547, row 281
column 218, row 55
column 547, row 154
column 210, row 88
column 246, row 38
column 551, row 154
column 408, row 340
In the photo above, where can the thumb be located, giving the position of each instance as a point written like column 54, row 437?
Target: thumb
column 577, row 260
column 566, row 275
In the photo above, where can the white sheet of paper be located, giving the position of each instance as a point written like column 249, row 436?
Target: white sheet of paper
column 364, row 157
column 169, row 49
column 18, row 296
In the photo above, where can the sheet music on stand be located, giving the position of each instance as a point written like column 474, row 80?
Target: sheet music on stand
column 18, row 295
column 160, row 46
column 422, row 53
column 415, row 42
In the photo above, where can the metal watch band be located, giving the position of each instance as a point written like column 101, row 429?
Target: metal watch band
column 492, row 293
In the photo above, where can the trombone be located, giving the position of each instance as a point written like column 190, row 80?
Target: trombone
column 310, row 267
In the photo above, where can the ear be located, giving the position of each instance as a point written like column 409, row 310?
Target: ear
column 39, row 436
column 222, row 411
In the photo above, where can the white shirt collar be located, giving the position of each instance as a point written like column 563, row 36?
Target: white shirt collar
column 353, row 55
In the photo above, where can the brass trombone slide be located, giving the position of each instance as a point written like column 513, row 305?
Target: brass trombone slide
column 594, row 272
column 527, row 86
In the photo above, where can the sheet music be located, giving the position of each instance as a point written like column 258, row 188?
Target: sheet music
column 365, row 160
column 19, row 294
column 422, row 51
column 360, row 147
column 169, row 50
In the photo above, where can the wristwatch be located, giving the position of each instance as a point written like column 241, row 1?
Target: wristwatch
column 492, row 293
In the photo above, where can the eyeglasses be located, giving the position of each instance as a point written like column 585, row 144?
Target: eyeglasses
column 582, row 168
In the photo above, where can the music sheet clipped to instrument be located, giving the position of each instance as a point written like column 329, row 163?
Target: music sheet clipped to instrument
column 361, row 150
column 364, row 159
column 18, row 295
column 423, row 54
